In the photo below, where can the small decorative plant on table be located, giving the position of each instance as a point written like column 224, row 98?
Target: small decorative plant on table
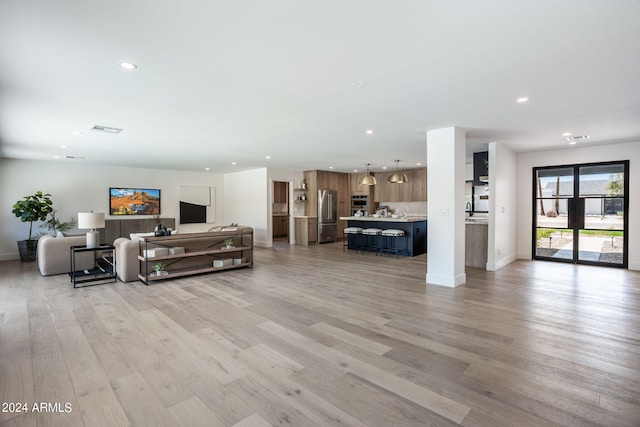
column 228, row 243
column 159, row 269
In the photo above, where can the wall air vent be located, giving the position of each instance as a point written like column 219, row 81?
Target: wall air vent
column 106, row 129
column 578, row 138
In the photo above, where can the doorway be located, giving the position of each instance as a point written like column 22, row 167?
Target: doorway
column 580, row 213
column 280, row 210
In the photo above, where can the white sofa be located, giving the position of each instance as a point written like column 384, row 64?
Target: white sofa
column 127, row 264
column 54, row 255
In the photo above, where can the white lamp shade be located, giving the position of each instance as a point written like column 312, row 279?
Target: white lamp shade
column 90, row 220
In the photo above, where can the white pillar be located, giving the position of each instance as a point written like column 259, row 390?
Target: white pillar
column 446, row 190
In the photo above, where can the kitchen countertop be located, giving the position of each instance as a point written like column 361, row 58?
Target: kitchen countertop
column 305, row 216
column 388, row 219
column 280, row 214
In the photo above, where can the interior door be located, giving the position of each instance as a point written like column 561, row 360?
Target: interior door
column 580, row 213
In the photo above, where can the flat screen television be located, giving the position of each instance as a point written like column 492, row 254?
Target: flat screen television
column 192, row 214
column 134, row 201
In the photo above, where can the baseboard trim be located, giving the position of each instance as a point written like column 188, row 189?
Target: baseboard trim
column 447, row 281
column 10, row 256
column 501, row 262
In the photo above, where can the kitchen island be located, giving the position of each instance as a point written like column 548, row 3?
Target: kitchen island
column 415, row 229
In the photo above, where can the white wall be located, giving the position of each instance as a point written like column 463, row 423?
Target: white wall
column 527, row 161
column 502, row 207
column 247, row 202
column 446, row 172
column 81, row 187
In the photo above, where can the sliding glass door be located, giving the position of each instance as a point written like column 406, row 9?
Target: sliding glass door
column 580, row 213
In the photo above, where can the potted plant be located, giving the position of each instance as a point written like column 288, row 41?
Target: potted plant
column 228, row 243
column 159, row 269
column 56, row 226
column 31, row 208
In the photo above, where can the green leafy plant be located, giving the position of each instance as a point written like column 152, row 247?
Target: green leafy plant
column 228, row 242
column 544, row 233
column 33, row 208
column 159, row 267
column 54, row 225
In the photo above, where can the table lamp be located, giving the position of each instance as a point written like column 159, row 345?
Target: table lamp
column 91, row 220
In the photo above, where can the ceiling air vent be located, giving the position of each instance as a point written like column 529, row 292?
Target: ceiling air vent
column 578, row 138
column 106, row 129
column 74, row 157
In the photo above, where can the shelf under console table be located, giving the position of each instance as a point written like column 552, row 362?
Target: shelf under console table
column 104, row 270
column 195, row 253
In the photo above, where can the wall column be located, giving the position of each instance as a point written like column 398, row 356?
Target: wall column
column 446, row 188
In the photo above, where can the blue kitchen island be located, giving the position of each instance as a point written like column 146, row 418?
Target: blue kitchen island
column 415, row 229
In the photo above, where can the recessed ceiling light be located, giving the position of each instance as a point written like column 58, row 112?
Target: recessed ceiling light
column 207, row 169
column 418, row 164
column 369, row 131
column 355, row 170
column 127, row 65
column 330, row 167
column 566, row 134
column 578, row 138
column 522, row 100
column 384, row 167
column 233, row 163
column 105, row 129
column 56, row 157
column 267, row 157
column 572, row 143
column 64, row 147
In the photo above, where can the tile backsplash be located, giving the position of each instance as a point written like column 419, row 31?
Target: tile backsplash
column 411, row 208
column 279, row 208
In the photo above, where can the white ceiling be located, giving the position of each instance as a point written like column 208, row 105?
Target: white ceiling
column 300, row 80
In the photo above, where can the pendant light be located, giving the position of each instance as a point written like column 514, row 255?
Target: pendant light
column 367, row 179
column 397, row 177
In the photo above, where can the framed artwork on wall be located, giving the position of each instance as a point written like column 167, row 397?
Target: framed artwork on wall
column 134, row 201
column 197, row 204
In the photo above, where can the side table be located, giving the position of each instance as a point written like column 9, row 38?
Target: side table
column 105, row 267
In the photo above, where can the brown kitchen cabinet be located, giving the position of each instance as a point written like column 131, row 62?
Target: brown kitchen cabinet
column 280, row 193
column 319, row 179
column 413, row 191
column 306, row 229
column 280, row 225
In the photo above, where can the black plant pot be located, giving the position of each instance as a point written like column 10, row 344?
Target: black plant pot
column 27, row 249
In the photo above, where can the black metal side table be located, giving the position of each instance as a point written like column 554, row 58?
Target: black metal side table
column 104, row 270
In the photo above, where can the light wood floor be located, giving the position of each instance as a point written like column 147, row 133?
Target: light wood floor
column 314, row 337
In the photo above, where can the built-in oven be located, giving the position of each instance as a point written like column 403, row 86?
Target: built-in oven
column 359, row 203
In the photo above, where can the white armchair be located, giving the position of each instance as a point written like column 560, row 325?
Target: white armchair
column 54, row 255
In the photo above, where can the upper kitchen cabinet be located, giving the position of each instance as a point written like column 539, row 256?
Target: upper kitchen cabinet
column 419, row 185
column 480, row 168
column 356, row 188
column 280, row 192
column 415, row 190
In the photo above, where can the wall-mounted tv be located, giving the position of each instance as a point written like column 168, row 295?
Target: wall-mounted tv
column 134, row 201
column 191, row 213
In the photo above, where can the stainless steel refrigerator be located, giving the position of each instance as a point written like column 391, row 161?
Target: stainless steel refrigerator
column 327, row 216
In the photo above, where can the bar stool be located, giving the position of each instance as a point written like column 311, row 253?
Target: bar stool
column 356, row 231
column 372, row 239
column 392, row 240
